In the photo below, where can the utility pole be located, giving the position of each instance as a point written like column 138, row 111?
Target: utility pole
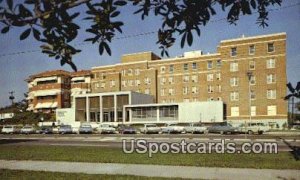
column 12, row 97
column 249, row 75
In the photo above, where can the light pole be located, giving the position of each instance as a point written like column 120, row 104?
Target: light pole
column 249, row 75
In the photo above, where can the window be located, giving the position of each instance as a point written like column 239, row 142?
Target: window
column 185, row 90
column 194, row 66
column 97, row 85
column 234, row 81
column 103, row 85
column 270, row 63
column 210, row 77
column 162, row 92
column 194, row 78
column 234, row 96
column 252, row 80
column 272, row 110
column 252, row 95
column 219, row 63
column 271, row 94
column 124, row 83
column 163, row 69
column 209, row 64
column 235, row 111
column 171, row 80
column 137, row 82
column 123, row 72
column 194, row 90
column 253, row 110
column 271, row 47
column 234, row 66
column 171, row 68
column 251, row 49
column 162, row 81
column 219, row 99
column 147, row 91
column 185, row 67
column 129, row 72
column 186, row 78
column 147, row 80
column 210, row 99
column 186, row 100
column 172, row 91
column 233, row 51
column 271, row 78
column 218, row 76
column 112, row 83
column 219, row 88
column 251, row 65
column 210, row 89
column 130, row 82
column 137, row 72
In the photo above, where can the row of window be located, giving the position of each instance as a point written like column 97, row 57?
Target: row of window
column 271, row 94
column 271, row 111
column 270, row 63
column 271, row 78
column 251, row 49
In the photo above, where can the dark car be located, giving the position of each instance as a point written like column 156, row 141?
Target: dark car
column 223, row 129
column 46, row 130
column 85, row 129
column 126, row 129
column 65, row 129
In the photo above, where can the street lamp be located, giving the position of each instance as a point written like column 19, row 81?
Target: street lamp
column 249, row 75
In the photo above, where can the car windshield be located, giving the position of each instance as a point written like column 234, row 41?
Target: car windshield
column 7, row 127
column 86, row 126
column 151, row 125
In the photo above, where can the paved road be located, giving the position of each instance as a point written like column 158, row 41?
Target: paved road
column 151, row 170
column 116, row 141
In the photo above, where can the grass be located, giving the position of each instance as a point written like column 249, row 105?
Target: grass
column 283, row 160
column 17, row 174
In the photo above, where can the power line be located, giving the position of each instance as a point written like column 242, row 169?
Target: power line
column 139, row 34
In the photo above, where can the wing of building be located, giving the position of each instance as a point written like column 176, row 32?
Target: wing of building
column 247, row 75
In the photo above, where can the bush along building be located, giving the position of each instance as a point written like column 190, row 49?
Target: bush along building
column 245, row 80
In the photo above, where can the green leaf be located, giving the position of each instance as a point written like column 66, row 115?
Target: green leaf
column 25, row 34
column 5, row 30
column 182, row 40
column 120, row 3
column 189, row 38
column 253, row 4
column 114, row 14
column 36, row 34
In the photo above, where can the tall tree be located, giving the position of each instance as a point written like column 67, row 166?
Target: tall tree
column 52, row 23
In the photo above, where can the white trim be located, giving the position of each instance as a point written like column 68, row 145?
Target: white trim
column 253, row 37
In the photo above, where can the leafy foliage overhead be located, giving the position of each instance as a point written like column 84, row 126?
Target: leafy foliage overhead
column 52, row 23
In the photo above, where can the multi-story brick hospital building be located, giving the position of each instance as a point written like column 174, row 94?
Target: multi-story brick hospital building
column 246, row 75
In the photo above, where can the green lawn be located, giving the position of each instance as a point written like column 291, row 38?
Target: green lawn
column 283, row 160
column 16, row 174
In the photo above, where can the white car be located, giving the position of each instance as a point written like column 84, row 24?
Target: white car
column 8, row 129
column 27, row 130
column 172, row 128
column 106, row 128
column 150, row 128
column 251, row 128
column 195, row 128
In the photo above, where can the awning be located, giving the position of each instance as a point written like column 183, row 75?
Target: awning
column 46, row 92
column 43, row 105
column 77, row 78
column 45, row 79
column 79, row 91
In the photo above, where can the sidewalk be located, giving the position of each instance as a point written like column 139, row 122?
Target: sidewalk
column 150, row 170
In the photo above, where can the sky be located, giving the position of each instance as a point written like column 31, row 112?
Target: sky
column 15, row 68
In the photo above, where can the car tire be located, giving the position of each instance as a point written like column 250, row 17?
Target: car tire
column 260, row 132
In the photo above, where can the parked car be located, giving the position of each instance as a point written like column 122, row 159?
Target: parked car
column 106, row 128
column 195, row 128
column 27, row 130
column 253, row 128
column 65, row 129
column 223, row 129
column 150, row 128
column 172, row 128
column 9, row 129
column 85, row 129
column 126, row 129
column 46, row 130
